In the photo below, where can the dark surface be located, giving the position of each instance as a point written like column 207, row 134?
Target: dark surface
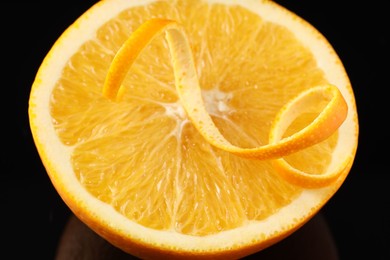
column 33, row 216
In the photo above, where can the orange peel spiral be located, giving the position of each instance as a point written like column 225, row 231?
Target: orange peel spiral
column 189, row 92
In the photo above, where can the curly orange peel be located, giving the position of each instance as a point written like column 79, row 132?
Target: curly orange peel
column 189, row 92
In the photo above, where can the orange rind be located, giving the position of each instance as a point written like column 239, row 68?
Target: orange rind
column 189, row 91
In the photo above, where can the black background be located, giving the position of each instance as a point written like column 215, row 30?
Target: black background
column 33, row 215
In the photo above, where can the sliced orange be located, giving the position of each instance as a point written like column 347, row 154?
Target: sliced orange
column 230, row 133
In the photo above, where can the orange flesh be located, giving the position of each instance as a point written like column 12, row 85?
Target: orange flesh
column 149, row 162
